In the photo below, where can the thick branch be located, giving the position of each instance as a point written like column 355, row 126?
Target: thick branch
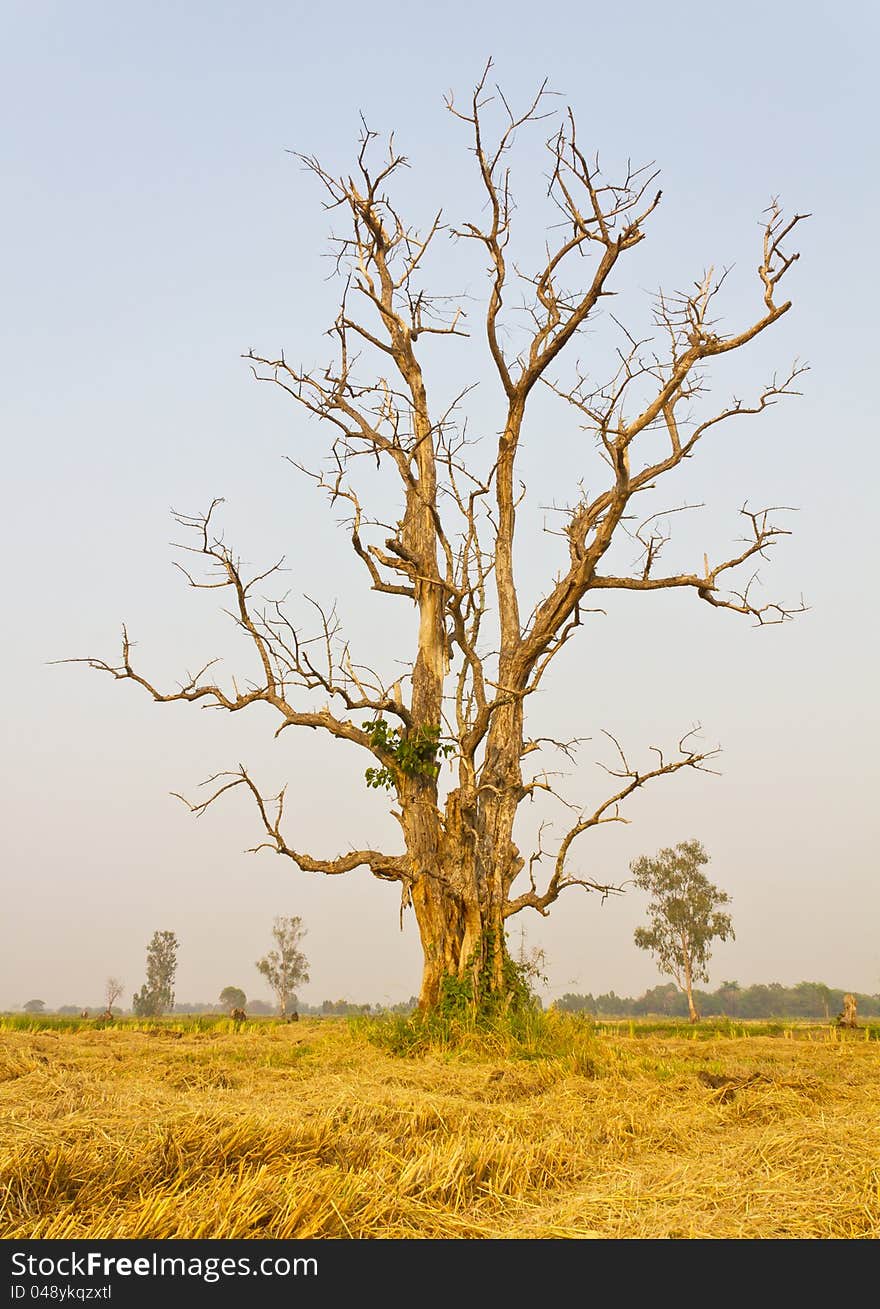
column 390, row 868
column 284, row 656
column 607, row 812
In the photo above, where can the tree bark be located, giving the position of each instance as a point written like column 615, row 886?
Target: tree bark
column 463, row 864
column 693, row 1012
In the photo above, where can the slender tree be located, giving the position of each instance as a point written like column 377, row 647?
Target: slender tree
column 286, row 967
column 684, row 913
column 156, row 996
column 479, row 650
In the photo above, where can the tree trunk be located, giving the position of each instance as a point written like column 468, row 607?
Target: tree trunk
column 463, row 865
column 452, row 939
column 461, row 941
column 693, row 1012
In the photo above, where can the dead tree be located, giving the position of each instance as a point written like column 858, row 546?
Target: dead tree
column 113, row 989
column 452, row 555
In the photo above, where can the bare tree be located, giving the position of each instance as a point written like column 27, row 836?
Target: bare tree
column 113, row 989
column 476, row 659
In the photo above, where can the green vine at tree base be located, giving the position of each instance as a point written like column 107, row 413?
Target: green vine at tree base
column 457, row 994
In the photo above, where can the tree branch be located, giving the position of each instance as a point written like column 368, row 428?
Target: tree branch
column 607, row 812
column 389, row 868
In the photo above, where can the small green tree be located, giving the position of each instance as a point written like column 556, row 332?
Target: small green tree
column 285, row 967
column 34, row 1006
column 684, row 914
column 233, row 997
column 156, row 996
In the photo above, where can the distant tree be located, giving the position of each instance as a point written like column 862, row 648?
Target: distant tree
column 34, row 1006
column 571, row 1003
column 344, row 1008
column 728, row 993
column 757, row 1002
column 405, row 1006
column 285, row 967
column 156, row 996
column 113, row 989
column 614, row 1006
column 684, row 914
column 69, row 1010
column 810, row 1000
column 233, row 997
column 709, row 1003
column 661, row 999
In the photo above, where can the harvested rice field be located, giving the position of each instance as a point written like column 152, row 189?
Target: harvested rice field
column 186, row 1129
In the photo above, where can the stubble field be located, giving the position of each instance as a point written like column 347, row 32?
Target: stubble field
column 188, row 1129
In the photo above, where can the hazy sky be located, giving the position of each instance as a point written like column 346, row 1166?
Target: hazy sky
column 156, row 226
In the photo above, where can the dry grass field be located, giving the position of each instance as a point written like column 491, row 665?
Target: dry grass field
column 314, row 1130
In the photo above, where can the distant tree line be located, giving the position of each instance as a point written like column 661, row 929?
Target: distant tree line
column 255, row 1008
column 805, row 1000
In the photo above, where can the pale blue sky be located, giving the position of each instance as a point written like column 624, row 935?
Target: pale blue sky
column 155, row 226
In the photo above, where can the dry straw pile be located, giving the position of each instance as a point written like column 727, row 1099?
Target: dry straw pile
column 314, row 1130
